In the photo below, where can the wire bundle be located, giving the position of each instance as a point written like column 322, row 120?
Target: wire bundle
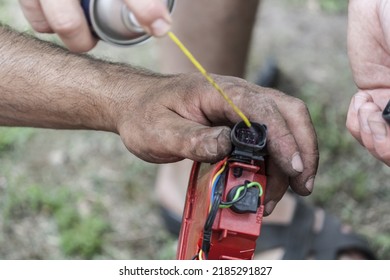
column 218, row 184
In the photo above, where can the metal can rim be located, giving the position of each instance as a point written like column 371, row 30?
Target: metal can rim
column 124, row 43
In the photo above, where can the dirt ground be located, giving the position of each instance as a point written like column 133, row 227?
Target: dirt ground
column 55, row 185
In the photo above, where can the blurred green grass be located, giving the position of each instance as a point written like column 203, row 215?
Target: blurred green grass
column 14, row 137
column 80, row 236
column 328, row 6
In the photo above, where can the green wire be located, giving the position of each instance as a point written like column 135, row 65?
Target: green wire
column 240, row 189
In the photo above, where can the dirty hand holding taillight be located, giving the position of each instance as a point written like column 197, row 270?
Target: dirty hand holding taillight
column 182, row 116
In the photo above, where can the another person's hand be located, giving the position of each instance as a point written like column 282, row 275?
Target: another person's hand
column 366, row 124
column 369, row 53
column 184, row 117
column 66, row 18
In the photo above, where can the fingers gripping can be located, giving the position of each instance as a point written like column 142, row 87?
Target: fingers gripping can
column 112, row 22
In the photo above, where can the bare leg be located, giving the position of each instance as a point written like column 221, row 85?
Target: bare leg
column 217, row 32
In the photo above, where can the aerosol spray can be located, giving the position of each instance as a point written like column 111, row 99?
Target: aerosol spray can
column 112, row 22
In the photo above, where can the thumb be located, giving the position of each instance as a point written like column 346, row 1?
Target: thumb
column 197, row 142
column 172, row 138
column 352, row 121
column 211, row 145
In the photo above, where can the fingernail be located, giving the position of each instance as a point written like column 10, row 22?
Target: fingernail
column 359, row 101
column 378, row 129
column 297, row 163
column 310, row 184
column 160, row 27
column 269, row 207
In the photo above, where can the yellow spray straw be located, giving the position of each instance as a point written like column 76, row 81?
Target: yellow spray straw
column 188, row 54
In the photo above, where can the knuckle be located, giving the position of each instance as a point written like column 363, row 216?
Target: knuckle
column 299, row 105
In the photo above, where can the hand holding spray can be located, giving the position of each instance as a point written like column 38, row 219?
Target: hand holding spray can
column 112, row 22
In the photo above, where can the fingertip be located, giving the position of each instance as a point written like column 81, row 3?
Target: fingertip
column 285, row 153
column 309, row 185
column 269, row 207
column 224, row 141
column 303, row 184
column 217, row 144
column 152, row 15
column 380, row 131
column 358, row 104
column 81, row 47
column 160, row 27
column 297, row 163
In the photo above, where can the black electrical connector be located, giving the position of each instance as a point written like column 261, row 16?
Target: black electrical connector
column 249, row 142
column 386, row 113
column 248, row 202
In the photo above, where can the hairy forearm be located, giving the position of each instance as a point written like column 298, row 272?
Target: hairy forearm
column 43, row 85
